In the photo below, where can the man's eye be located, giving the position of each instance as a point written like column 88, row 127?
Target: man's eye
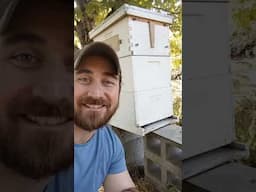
column 25, row 60
column 109, row 83
column 84, row 80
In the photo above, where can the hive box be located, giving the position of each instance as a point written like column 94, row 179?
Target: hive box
column 208, row 117
column 140, row 38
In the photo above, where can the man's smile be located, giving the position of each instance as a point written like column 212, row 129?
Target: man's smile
column 95, row 107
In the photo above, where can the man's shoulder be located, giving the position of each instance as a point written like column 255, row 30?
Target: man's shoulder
column 108, row 132
column 110, row 138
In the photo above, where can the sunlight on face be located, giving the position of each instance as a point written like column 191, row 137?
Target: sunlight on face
column 96, row 95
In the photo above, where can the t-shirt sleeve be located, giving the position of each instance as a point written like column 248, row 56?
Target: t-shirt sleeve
column 118, row 163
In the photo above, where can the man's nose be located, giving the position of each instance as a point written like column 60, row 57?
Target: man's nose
column 95, row 90
column 54, row 87
column 52, row 92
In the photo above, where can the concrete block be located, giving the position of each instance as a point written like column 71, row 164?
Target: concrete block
column 163, row 161
column 153, row 144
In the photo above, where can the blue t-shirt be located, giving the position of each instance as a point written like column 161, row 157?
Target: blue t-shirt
column 62, row 182
column 102, row 155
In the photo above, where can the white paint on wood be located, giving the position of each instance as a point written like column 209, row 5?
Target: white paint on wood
column 146, row 94
column 208, row 119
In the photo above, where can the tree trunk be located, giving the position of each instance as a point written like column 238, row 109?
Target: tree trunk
column 86, row 24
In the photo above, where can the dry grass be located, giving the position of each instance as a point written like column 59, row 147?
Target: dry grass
column 144, row 186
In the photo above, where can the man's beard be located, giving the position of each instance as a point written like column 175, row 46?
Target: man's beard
column 36, row 151
column 90, row 121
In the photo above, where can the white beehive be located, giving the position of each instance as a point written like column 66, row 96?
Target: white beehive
column 208, row 119
column 140, row 38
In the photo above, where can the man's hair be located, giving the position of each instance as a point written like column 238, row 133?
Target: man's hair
column 9, row 7
column 99, row 49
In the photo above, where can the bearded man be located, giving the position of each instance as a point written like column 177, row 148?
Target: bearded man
column 36, row 94
column 99, row 154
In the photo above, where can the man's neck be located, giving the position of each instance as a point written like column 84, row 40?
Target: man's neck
column 11, row 181
column 82, row 136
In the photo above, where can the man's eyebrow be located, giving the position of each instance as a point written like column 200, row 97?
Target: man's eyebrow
column 115, row 76
column 23, row 37
column 81, row 71
column 87, row 71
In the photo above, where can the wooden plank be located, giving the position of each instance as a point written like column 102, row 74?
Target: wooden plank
column 152, row 34
column 114, row 42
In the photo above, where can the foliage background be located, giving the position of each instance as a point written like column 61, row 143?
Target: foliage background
column 243, row 52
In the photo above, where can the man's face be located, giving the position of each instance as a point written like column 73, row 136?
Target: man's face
column 36, row 90
column 96, row 93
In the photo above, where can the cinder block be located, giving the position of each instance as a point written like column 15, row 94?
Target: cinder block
column 153, row 144
column 161, row 157
column 173, row 153
column 173, row 180
column 154, row 169
column 162, row 161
